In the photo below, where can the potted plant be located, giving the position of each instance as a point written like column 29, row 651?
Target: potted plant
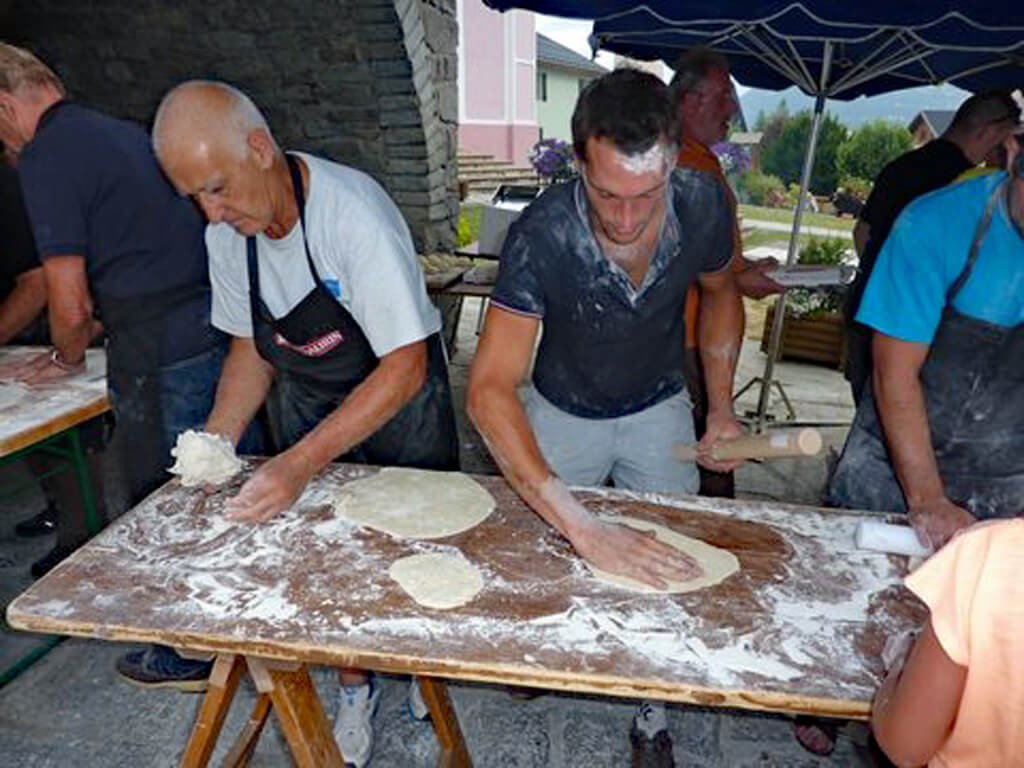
column 553, row 160
column 812, row 329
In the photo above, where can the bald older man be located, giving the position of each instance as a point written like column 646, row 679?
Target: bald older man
column 316, row 279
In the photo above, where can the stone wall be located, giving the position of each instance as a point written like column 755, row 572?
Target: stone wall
column 369, row 83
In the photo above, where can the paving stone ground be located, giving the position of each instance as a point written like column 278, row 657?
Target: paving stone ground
column 70, row 709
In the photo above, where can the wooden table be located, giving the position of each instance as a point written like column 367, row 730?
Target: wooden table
column 799, row 629
column 48, row 416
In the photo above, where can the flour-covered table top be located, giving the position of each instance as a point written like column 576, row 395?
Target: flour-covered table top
column 32, row 413
column 799, row 628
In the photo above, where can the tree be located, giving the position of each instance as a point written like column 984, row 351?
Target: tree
column 770, row 125
column 784, row 156
column 871, row 147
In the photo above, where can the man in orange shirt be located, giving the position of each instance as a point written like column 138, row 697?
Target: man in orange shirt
column 707, row 102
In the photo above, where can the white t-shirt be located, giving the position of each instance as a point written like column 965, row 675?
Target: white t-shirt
column 363, row 253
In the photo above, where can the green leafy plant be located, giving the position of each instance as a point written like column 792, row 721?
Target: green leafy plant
column 872, row 147
column 761, row 189
column 816, row 302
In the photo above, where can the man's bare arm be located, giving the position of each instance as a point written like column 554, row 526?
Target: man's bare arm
column 399, row 375
column 501, row 363
column 23, row 304
column 242, row 388
column 720, row 333
column 70, row 306
column 899, row 397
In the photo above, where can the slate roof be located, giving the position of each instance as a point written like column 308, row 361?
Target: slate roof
column 937, row 119
column 555, row 55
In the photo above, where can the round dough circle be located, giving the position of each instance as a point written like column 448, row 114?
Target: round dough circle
column 718, row 564
column 437, row 580
column 415, row 503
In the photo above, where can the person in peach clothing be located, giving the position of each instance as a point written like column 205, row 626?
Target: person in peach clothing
column 958, row 699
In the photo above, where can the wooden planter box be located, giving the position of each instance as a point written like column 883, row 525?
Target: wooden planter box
column 816, row 340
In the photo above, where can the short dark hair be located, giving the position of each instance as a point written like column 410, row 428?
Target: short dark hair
column 983, row 109
column 629, row 106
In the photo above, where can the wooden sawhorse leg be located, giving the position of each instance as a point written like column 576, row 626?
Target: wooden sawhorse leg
column 298, row 710
column 446, row 725
column 285, row 687
column 224, row 678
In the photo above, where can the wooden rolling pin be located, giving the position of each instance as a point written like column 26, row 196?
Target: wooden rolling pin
column 770, row 445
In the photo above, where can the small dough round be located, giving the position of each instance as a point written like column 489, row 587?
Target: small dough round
column 415, row 503
column 718, row 564
column 204, row 459
column 437, row 580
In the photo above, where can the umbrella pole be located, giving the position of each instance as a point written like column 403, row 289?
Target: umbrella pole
column 775, row 339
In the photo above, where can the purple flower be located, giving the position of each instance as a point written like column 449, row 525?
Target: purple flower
column 734, row 158
column 553, row 159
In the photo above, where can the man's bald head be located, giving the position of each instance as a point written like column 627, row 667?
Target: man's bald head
column 199, row 115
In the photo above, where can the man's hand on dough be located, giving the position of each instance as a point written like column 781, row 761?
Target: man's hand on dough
column 273, row 488
column 638, row 554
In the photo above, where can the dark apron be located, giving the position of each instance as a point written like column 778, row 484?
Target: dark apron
column 134, row 329
column 973, row 382
column 320, row 354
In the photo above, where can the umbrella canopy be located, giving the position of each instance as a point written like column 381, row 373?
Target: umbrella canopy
column 876, row 45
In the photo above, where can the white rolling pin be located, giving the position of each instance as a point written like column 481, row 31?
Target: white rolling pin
column 886, row 537
column 770, row 445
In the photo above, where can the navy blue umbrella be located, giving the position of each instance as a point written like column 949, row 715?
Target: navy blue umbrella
column 829, row 48
column 838, row 49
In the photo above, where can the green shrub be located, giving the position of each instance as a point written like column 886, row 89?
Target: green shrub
column 824, row 250
column 856, row 187
column 469, row 224
column 761, row 189
column 815, row 302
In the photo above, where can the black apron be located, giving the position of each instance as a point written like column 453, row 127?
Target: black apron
column 135, row 329
column 973, row 382
column 320, row 354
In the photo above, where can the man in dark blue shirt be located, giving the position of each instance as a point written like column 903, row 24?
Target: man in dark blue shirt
column 121, row 249
column 605, row 262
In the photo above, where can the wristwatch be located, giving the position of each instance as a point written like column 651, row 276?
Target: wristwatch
column 64, row 365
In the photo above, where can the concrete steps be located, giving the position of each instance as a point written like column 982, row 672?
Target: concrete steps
column 483, row 173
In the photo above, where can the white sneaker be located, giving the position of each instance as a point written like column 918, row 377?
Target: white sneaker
column 353, row 725
column 650, row 718
column 417, row 706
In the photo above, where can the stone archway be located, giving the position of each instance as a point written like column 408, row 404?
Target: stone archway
column 368, row 83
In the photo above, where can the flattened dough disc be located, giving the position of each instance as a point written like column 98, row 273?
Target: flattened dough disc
column 718, row 564
column 437, row 580
column 415, row 503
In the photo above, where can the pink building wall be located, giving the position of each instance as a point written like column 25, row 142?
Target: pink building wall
column 497, row 72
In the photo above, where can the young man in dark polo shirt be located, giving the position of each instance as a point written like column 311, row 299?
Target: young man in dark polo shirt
column 980, row 125
column 604, row 262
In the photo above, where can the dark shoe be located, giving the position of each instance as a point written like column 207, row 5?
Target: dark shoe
column 50, row 560
column 161, row 667
column 651, row 746
column 816, row 736
column 39, row 524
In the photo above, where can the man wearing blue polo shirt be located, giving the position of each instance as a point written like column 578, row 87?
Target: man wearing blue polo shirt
column 940, row 433
column 117, row 244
